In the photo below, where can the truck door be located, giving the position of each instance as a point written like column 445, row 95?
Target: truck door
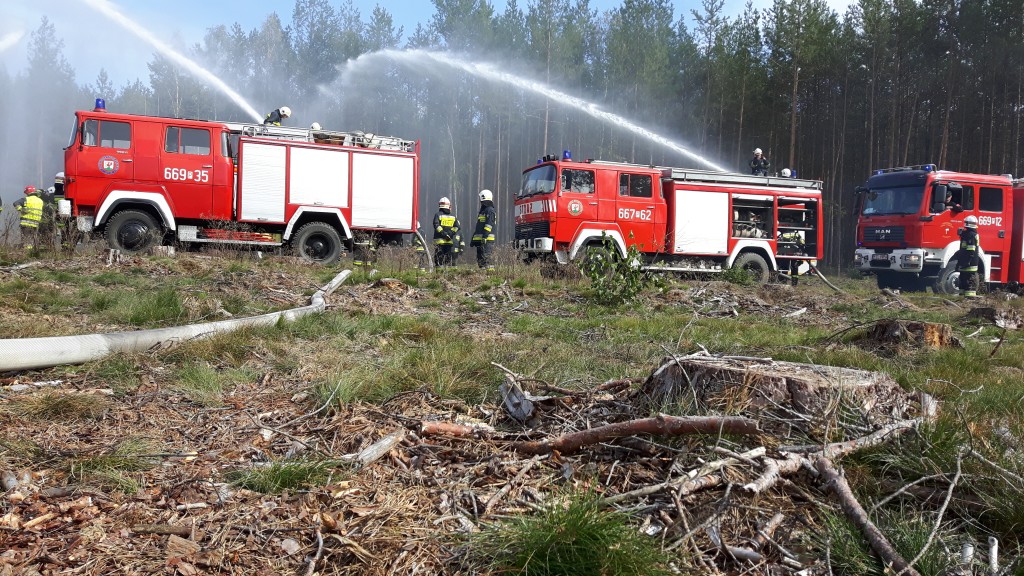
column 577, row 199
column 635, row 210
column 187, row 170
column 105, row 155
column 994, row 228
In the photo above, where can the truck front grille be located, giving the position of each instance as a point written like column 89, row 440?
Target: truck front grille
column 530, row 230
column 884, row 234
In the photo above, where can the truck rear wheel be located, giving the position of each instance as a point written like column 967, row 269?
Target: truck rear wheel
column 318, row 242
column 132, row 231
column 754, row 265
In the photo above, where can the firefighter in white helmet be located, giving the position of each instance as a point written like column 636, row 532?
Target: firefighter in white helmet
column 484, row 234
column 275, row 116
column 967, row 258
column 446, row 234
column 759, row 164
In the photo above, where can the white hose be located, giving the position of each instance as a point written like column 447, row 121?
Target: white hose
column 31, row 353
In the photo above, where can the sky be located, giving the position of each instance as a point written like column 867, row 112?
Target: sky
column 92, row 42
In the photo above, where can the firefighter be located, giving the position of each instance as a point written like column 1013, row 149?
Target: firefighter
column 950, row 203
column 446, row 228
column 364, row 248
column 31, row 209
column 759, row 164
column 484, row 234
column 967, row 258
column 275, row 116
column 795, row 245
column 421, row 253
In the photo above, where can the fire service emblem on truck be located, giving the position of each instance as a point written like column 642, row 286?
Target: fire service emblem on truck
column 575, row 207
column 109, row 165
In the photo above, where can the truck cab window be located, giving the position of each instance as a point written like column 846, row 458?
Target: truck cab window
column 578, row 181
column 187, row 141
column 990, row 200
column 635, row 185
column 107, row 134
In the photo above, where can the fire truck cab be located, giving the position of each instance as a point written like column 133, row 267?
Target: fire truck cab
column 141, row 180
column 678, row 220
column 910, row 219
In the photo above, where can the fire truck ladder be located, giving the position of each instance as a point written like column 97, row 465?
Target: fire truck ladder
column 337, row 138
column 709, row 177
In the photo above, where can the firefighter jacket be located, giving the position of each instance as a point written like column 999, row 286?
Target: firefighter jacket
column 486, row 224
column 967, row 256
column 418, row 244
column 273, row 118
column 31, row 209
column 446, row 227
column 759, row 166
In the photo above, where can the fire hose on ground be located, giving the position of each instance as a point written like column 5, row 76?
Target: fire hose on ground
column 31, row 353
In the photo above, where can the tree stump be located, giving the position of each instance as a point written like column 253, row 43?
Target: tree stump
column 913, row 333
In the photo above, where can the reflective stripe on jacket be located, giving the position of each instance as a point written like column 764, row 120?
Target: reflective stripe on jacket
column 485, row 224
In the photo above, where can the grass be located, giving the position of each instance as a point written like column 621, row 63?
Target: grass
column 61, row 405
column 571, row 536
column 117, row 469
column 276, row 477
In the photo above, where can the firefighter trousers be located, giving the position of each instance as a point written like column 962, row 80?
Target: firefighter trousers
column 485, row 255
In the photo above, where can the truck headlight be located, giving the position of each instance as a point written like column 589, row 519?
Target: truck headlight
column 859, row 259
column 910, row 261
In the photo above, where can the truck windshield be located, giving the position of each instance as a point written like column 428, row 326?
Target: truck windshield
column 540, row 180
column 893, row 200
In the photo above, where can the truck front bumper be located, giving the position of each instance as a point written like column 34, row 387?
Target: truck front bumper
column 910, row 260
column 536, row 245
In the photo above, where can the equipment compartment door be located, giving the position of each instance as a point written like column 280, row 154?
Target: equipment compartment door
column 635, row 210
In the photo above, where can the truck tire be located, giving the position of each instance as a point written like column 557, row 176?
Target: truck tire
column 318, row 242
column 133, row 231
column 754, row 265
column 948, row 280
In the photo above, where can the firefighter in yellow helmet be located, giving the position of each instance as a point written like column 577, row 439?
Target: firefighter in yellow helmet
column 967, row 258
column 446, row 233
column 31, row 209
column 484, row 234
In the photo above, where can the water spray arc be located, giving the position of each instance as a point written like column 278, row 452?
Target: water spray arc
column 110, row 11
column 490, row 72
column 9, row 40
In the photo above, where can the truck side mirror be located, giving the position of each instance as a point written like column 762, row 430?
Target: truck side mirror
column 860, row 189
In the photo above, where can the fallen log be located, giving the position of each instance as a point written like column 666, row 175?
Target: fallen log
column 661, row 425
column 437, row 428
column 837, row 485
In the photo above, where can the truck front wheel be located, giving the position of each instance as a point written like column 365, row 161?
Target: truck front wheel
column 318, row 242
column 132, row 231
column 754, row 265
column 948, row 281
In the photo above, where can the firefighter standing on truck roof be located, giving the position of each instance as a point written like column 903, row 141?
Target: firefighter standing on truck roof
column 759, row 164
column 967, row 258
column 275, row 116
column 31, row 209
column 483, row 235
column 446, row 229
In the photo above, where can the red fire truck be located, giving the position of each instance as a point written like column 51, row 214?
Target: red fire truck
column 141, row 180
column 907, row 230
column 678, row 220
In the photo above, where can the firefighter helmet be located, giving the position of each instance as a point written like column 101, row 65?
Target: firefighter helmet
column 59, row 178
column 757, row 151
column 444, row 203
column 30, row 189
column 971, row 221
column 786, row 173
column 284, row 111
column 314, row 126
column 486, row 195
